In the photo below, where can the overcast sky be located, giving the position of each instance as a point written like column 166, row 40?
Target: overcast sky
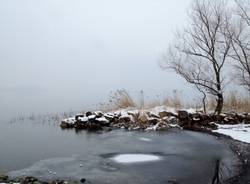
column 71, row 53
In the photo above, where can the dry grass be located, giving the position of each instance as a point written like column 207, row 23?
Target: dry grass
column 233, row 101
column 119, row 99
column 43, row 118
column 175, row 100
column 236, row 102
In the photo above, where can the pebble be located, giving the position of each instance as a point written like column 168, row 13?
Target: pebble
column 83, row 180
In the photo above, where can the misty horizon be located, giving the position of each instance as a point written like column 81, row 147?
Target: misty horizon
column 61, row 55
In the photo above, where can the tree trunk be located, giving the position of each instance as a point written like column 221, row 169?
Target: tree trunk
column 219, row 105
column 204, row 105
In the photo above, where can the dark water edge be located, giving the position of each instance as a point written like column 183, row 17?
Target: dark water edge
column 242, row 150
column 35, row 149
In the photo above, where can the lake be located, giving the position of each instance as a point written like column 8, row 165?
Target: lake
column 47, row 152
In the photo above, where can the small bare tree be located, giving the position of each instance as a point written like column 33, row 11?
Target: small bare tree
column 200, row 52
column 241, row 43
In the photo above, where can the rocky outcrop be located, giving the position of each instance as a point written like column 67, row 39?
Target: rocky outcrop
column 33, row 180
column 136, row 120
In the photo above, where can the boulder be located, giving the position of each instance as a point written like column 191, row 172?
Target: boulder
column 89, row 113
column 83, row 119
column 163, row 114
column 54, row 182
column 109, row 116
column 78, row 116
column 68, row 123
column 82, row 180
column 152, row 115
column 153, row 121
column 103, row 121
column 124, row 119
column 64, row 125
column 98, row 114
column 171, row 120
column 91, row 117
column 183, row 115
column 30, row 179
column 159, row 126
column 3, row 178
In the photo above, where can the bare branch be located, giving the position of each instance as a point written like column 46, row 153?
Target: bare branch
column 202, row 49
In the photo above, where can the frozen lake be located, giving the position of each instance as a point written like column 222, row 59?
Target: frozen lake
column 47, row 152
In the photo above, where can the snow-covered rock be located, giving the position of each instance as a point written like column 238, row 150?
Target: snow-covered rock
column 91, row 117
column 83, row 119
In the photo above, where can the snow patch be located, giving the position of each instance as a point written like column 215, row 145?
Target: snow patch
column 91, row 117
column 145, row 139
column 102, row 119
column 70, row 120
column 135, row 158
column 239, row 132
column 84, row 119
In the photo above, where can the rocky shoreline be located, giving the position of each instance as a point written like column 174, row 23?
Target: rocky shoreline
column 4, row 179
column 155, row 121
column 148, row 120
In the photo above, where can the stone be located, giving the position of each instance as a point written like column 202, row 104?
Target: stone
column 98, row 114
column 153, row 121
column 103, row 121
column 183, row 115
column 172, row 120
column 163, row 114
column 83, row 180
column 4, row 178
column 152, row 115
column 58, row 182
column 30, row 179
column 124, row 119
column 78, row 116
column 92, row 117
column 64, row 125
column 109, row 116
column 89, row 113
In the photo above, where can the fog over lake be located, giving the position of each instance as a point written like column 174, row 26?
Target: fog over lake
column 57, row 55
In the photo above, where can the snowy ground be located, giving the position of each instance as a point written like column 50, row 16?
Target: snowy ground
column 239, row 132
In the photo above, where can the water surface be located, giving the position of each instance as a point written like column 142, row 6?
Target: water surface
column 46, row 151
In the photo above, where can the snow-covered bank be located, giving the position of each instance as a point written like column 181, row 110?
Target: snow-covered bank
column 239, row 132
column 158, row 118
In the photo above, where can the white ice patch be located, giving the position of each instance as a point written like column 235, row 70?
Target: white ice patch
column 135, row 158
column 239, row 132
column 145, row 139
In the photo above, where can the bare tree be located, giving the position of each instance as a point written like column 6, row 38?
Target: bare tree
column 241, row 43
column 200, row 51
